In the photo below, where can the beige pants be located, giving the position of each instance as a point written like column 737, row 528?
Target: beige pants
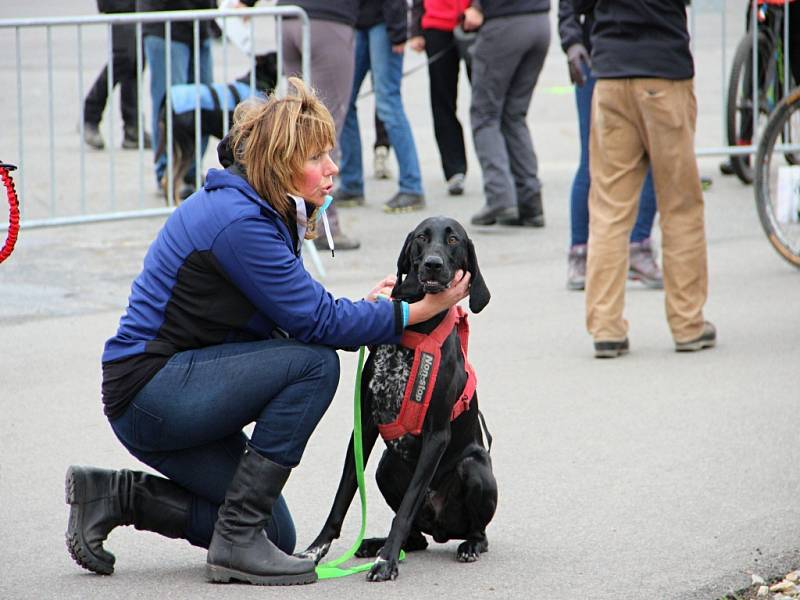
column 636, row 123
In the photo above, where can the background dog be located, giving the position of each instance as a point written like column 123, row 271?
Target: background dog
column 438, row 483
column 213, row 99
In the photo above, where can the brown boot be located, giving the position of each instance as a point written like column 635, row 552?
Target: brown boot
column 643, row 266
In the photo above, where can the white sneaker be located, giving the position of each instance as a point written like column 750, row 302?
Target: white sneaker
column 455, row 185
column 380, row 163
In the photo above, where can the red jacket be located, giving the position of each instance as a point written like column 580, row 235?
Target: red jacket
column 437, row 14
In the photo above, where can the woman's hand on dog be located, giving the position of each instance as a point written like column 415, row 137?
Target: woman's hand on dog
column 383, row 289
column 433, row 304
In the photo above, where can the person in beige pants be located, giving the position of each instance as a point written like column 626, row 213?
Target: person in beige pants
column 639, row 122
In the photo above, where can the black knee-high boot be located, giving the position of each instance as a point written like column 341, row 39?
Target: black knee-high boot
column 240, row 549
column 101, row 500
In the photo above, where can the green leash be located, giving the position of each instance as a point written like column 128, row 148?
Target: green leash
column 331, row 569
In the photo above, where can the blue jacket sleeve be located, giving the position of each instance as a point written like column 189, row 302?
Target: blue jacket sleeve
column 258, row 261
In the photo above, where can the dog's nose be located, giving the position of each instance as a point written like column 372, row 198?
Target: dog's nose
column 433, row 263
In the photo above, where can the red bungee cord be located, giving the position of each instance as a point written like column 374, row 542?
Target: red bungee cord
column 13, row 210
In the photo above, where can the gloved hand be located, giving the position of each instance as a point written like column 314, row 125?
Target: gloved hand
column 577, row 58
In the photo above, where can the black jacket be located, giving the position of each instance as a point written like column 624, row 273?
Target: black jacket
column 573, row 29
column 181, row 31
column 639, row 38
column 506, row 8
column 341, row 11
column 392, row 12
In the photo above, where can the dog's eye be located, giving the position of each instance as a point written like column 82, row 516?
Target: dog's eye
column 452, row 240
column 422, row 237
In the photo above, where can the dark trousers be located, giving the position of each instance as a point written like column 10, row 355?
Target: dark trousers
column 443, row 77
column 123, row 43
column 187, row 421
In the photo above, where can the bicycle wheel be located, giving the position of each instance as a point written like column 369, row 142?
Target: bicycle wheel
column 777, row 185
column 740, row 103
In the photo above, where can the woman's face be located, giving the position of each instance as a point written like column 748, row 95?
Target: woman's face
column 316, row 180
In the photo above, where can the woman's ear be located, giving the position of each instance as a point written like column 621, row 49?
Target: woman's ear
column 478, row 292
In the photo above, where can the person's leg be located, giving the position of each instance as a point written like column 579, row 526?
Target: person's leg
column 617, row 163
column 494, row 62
column 124, row 50
column 351, row 175
column 579, row 196
column 206, row 76
column 155, row 48
column 381, row 135
column 669, row 111
column 95, row 101
column 513, row 125
column 193, row 411
column 387, row 71
column 443, row 80
column 647, row 210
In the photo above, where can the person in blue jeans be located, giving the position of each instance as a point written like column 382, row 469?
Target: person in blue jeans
column 225, row 328
column 181, row 67
column 576, row 44
column 381, row 33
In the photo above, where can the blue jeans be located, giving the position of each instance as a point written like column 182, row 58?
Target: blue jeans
column 182, row 70
column 579, row 202
column 187, row 421
column 374, row 53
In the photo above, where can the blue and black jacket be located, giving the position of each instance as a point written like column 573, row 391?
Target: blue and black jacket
column 226, row 268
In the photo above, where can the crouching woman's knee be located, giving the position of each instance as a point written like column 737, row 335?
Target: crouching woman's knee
column 327, row 368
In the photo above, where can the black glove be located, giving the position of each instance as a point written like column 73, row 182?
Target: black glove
column 577, row 59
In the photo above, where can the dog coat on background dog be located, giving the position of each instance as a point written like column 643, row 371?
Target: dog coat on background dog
column 214, row 96
column 427, row 358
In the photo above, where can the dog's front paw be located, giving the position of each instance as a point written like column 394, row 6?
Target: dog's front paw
column 370, row 547
column 314, row 552
column 383, row 570
column 471, row 550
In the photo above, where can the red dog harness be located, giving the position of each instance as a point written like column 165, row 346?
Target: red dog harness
column 424, row 370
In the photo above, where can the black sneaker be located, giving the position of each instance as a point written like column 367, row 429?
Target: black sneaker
column 92, row 137
column 511, row 217
column 611, row 349
column 487, row 215
column 707, row 339
column 130, row 139
column 346, row 199
column 455, row 185
column 403, row 202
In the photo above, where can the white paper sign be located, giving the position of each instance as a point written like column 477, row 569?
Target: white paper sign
column 788, row 204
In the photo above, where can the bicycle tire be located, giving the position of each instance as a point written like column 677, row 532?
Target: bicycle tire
column 783, row 236
column 741, row 73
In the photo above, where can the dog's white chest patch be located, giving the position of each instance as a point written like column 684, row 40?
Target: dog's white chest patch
column 392, row 368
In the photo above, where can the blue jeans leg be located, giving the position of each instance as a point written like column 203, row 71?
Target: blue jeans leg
column 647, row 210
column 352, row 168
column 187, row 421
column 579, row 197
column 387, row 72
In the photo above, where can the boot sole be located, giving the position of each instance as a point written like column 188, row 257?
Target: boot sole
column 695, row 346
column 610, row 353
column 405, row 209
column 217, row 574
column 75, row 492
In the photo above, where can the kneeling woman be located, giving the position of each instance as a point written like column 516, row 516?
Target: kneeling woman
column 225, row 328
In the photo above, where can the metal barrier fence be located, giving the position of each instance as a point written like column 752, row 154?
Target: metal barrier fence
column 82, row 185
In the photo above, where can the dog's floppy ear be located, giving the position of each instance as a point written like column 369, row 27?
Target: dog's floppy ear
column 403, row 263
column 478, row 292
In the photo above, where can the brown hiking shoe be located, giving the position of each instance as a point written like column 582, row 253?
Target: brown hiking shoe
column 643, row 266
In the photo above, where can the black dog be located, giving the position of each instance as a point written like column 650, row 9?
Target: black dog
column 440, row 481
column 212, row 108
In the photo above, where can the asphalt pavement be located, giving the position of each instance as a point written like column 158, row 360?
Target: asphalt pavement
column 655, row 475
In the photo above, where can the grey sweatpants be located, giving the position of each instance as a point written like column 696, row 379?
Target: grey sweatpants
column 332, row 66
column 507, row 58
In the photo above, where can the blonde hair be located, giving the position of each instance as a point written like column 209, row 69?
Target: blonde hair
column 272, row 138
